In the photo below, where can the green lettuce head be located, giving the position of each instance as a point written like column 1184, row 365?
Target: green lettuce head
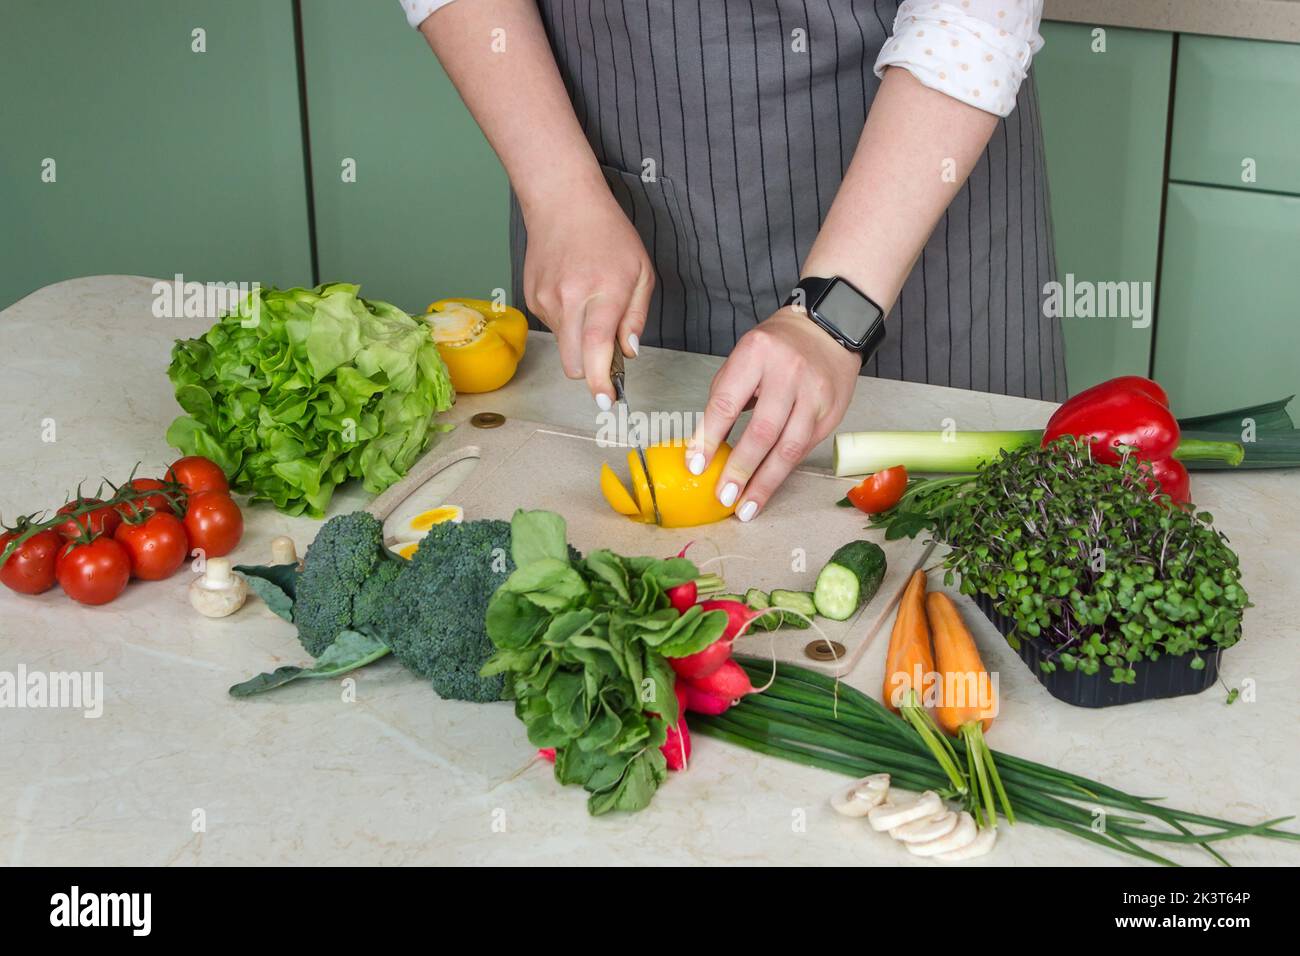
column 302, row 389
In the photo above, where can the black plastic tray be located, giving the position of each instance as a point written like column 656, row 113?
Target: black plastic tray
column 1166, row 676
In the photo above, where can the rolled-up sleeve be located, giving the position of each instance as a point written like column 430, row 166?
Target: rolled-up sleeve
column 417, row 11
column 976, row 51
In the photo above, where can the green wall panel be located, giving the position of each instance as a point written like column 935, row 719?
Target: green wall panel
column 1237, row 100
column 428, row 214
column 166, row 160
column 1229, row 330
column 1104, row 116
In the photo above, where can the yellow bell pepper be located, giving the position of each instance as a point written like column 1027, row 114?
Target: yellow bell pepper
column 684, row 499
column 481, row 342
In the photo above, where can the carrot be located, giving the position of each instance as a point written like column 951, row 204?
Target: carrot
column 909, row 658
column 967, row 701
column 962, row 670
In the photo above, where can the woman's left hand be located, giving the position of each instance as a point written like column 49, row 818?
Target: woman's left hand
column 799, row 381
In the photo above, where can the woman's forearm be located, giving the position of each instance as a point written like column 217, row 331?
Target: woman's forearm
column 916, row 151
column 497, row 54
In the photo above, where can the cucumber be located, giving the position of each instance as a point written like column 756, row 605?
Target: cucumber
column 725, row 597
column 850, row 579
column 801, row 601
column 758, row 600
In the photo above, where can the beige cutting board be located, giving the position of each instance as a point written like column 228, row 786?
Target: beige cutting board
column 489, row 472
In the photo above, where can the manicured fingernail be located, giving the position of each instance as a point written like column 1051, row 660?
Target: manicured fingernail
column 729, row 492
column 696, row 463
column 747, row 510
column 603, row 402
column 634, row 343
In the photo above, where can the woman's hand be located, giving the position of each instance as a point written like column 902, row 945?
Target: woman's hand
column 800, row 381
column 588, row 277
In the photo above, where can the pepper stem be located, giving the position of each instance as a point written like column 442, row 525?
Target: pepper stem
column 1198, row 449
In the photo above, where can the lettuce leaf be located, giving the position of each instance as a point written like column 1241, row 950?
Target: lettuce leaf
column 303, row 389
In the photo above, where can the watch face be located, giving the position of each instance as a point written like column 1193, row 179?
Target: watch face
column 852, row 313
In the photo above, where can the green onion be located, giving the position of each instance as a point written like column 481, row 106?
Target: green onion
column 814, row 720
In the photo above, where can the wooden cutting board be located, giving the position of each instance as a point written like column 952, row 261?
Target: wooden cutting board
column 489, row 472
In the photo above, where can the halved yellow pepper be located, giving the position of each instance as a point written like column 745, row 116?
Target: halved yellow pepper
column 481, row 342
column 684, row 499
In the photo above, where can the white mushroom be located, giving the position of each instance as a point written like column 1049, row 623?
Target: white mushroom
column 977, row 847
column 962, row 835
column 858, row 798
column 926, row 829
column 889, row 814
column 217, row 592
column 283, row 551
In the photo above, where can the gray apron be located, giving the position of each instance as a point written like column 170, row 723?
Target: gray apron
column 725, row 148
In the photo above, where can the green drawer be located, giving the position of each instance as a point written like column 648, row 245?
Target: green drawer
column 1236, row 100
column 428, row 214
column 1228, row 329
column 1104, row 118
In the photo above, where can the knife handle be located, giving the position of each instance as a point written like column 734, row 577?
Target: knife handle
column 616, row 371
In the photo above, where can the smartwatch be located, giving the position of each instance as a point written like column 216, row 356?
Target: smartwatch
column 843, row 310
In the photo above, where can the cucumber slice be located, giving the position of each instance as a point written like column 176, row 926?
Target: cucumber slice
column 725, row 597
column 850, row 579
column 801, row 601
column 758, row 600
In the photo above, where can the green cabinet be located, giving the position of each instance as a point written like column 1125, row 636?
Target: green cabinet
column 428, row 213
column 1237, row 114
column 126, row 151
column 1229, row 326
column 1104, row 117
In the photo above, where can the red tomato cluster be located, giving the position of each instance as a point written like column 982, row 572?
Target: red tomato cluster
column 146, row 530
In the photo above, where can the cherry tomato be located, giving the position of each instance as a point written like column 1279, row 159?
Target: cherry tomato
column 1170, row 476
column 214, row 523
column 879, row 492
column 156, row 546
column 94, row 572
column 159, row 502
column 30, row 569
column 196, row 474
column 98, row 521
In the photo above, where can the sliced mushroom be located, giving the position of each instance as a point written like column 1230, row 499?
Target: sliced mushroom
column 927, row 829
column 977, row 847
column 858, row 798
column 890, row 814
column 962, row 835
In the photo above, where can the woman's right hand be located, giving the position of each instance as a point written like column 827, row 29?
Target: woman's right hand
column 588, row 277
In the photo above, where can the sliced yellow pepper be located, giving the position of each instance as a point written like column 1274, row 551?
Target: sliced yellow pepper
column 684, row 499
column 481, row 342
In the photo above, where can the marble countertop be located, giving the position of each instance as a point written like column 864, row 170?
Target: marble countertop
column 175, row 771
column 1250, row 19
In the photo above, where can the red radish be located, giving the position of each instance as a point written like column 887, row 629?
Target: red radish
column 683, row 596
column 702, row 663
column 547, row 754
column 677, row 748
column 728, row 681
column 739, row 615
column 702, row 702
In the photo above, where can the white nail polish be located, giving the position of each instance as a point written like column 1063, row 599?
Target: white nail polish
column 696, row 463
column 603, row 402
column 747, row 510
column 729, row 492
column 634, row 343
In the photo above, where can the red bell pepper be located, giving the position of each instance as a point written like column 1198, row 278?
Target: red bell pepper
column 1134, row 411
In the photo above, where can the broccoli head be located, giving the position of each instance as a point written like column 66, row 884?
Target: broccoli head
column 346, row 574
column 434, row 621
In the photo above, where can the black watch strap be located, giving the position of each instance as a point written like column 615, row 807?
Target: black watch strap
column 811, row 291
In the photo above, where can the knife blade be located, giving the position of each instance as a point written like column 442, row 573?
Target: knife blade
column 618, row 376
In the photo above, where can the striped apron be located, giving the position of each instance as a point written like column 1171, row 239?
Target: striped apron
column 725, row 147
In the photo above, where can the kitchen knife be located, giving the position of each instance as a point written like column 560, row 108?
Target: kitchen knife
column 617, row 375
